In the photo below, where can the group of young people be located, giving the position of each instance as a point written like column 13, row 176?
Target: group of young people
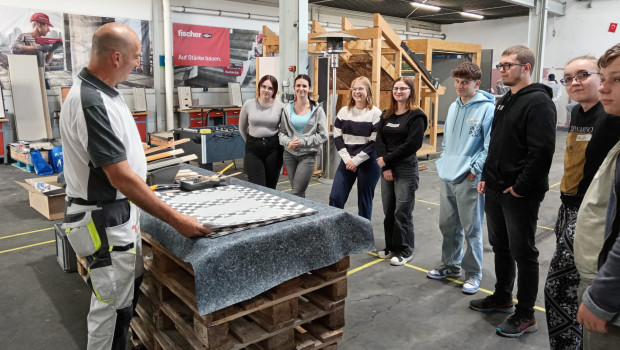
column 372, row 145
column 496, row 160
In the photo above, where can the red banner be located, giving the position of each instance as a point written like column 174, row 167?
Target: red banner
column 200, row 45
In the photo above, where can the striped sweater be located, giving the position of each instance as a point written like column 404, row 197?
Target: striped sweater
column 355, row 131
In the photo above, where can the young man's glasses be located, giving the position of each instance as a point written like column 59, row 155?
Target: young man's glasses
column 401, row 89
column 507, row 66
column 580, row 77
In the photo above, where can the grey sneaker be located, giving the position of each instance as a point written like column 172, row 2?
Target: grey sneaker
column 442, row 272
column 516, row 325
column 385, row 254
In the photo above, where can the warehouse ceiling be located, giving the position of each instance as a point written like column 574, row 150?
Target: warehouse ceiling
column 448, row 13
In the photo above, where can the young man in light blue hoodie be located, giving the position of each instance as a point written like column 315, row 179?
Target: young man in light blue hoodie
column 465, row 144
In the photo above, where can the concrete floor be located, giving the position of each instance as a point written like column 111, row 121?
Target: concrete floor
column 387, row 307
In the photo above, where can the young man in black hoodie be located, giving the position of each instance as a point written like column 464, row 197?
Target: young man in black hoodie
column 514, row 181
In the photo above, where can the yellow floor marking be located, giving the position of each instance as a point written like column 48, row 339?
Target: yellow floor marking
column 318, row 183
column 426, row 271
column 25, row 233
column 427, row 202
column 350, row 272
column 26, row 246
column 554, row 185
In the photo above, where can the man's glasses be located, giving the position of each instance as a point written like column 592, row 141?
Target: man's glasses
column 358, row 89
column 580, row 77
column 401, row 89
column 507, row 66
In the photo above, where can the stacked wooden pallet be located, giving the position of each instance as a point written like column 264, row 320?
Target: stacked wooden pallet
column 306, row 312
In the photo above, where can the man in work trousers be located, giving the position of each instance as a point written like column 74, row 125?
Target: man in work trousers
column 105, row 168
column 515, row 180
column 465, row 145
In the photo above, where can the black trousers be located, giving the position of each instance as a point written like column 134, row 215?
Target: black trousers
column 512, row 228
column 263, row 160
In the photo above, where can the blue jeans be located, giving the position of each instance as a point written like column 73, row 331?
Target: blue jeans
column 367, row 175
column 300, row 170
column 461, row 213
column 398, row 197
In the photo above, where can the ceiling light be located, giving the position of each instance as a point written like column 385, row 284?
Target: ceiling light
column 472, row 15
column 425, row 6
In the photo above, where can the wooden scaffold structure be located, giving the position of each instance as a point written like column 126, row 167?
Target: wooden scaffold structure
column 379, row 54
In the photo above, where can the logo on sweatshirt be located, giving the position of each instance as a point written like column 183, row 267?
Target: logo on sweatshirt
column 474, row 130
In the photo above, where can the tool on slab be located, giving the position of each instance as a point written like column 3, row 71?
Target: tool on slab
column 202, row 182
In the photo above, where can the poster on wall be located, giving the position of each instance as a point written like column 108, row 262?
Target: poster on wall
column 229, row 58
column 62, row 44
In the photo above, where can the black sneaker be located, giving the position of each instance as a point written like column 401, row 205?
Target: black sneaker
column 488, row 304
column 516, row 325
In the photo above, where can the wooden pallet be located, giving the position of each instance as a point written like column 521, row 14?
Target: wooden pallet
column 306, row 312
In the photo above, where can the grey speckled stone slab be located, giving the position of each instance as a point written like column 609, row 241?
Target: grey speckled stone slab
column 239, row 266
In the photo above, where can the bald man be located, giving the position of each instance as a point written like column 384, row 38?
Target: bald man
column 105, row 169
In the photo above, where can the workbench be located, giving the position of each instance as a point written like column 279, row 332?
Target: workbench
column 242, row 265
column 208, row 115
column 222, row 143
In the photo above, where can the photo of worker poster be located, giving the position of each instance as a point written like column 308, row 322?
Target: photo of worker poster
column 230, row 61
column 62, row 44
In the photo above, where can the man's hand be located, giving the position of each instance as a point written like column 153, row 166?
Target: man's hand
column 380, row 162
column 44, row 48
column 294, row 144
column 481, row 187
column 350, row 166
column 189, row 226
column 470, row 176
column 512, row 192
column 388, row 175
column 590, row 320
column 56, row 45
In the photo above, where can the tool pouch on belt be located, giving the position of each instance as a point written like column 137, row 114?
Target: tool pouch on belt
column 104, row 234
column 81, row 230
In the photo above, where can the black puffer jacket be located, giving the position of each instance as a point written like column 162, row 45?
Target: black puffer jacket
column 522, row 142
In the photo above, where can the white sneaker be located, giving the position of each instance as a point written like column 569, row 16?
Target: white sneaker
column 471, row 286
column 399, row 260
column 385, row 254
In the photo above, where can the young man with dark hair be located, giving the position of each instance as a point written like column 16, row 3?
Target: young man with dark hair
column 514, row 181
column 465, row 145
column 597, row 240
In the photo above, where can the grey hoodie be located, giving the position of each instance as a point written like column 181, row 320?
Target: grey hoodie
column 313, row 135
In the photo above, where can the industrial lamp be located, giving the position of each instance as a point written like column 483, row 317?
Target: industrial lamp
column 335, row 45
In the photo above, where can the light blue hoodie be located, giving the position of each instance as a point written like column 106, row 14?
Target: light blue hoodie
column 466, row 137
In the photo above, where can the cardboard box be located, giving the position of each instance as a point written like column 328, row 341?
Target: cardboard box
column 51, row 206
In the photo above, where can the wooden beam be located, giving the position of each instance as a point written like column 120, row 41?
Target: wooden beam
column 376, row 68
column 165, row 163
column 388, row 68
column 399, row 65
column 317, row 27
column 166, row 146
column 165, row 154
column 346, row 24
column 268, row 32
column 388, row 33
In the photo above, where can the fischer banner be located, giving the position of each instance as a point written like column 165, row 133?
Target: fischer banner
column 195, row 45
